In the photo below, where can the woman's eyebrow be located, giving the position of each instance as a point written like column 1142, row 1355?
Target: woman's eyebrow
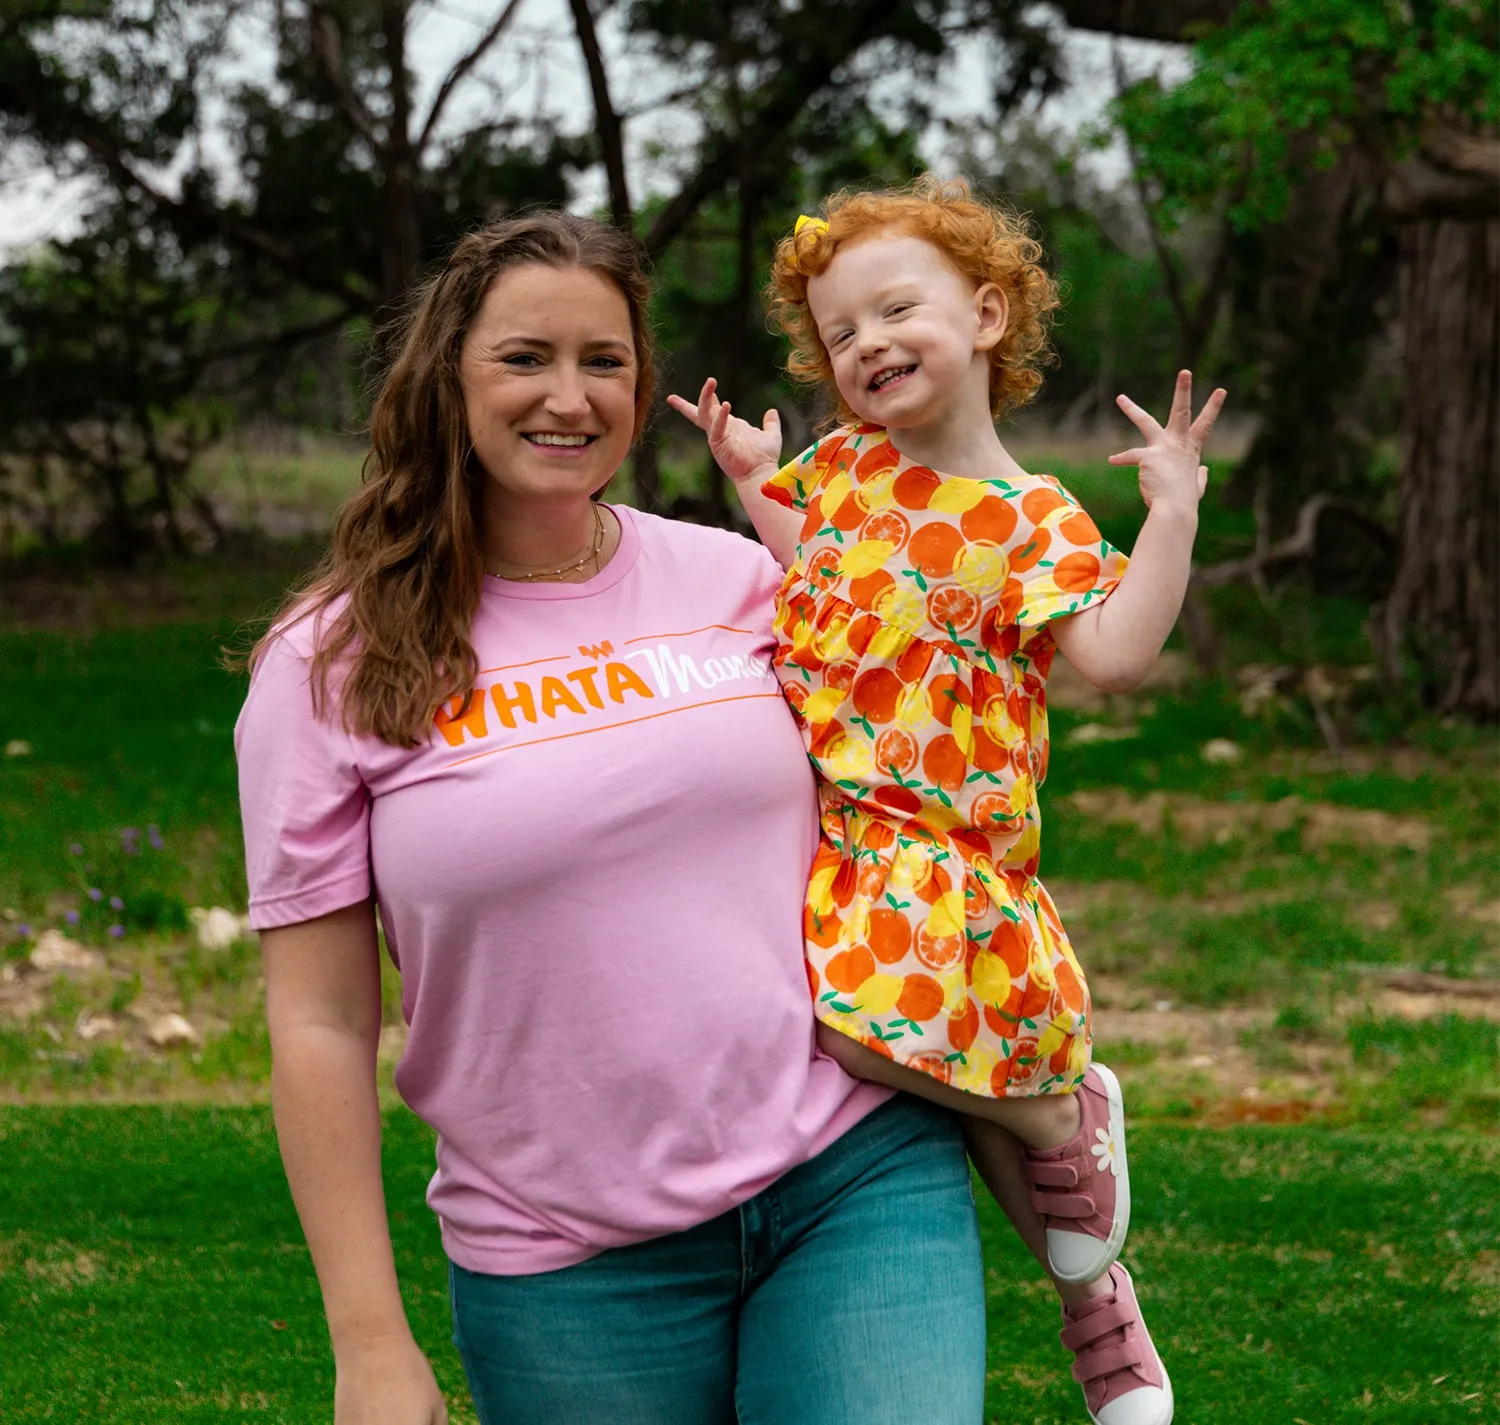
column 543, row 344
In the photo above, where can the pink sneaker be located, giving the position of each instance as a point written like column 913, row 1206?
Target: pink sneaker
column 1123, row 1379
column 1082, row 1190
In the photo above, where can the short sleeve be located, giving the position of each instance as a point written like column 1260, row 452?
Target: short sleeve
column 1058, row 558
column 794, row 483
column 303, row 804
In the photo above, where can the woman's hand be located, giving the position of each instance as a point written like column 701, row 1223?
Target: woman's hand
column 384, row 1381
column 744, row 452
column 1170, row 471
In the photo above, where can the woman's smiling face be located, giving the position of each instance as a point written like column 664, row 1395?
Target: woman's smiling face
column 548, row 368
column 902, row 328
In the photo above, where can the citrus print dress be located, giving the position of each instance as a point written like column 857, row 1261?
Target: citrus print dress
column 913, row 644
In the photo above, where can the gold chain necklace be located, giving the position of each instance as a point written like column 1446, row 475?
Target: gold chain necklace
column 531, row 576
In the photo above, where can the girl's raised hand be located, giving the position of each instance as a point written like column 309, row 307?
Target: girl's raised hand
column 743, row 451
column 1169, row 462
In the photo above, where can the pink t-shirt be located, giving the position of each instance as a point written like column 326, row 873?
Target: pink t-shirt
column 592, row 883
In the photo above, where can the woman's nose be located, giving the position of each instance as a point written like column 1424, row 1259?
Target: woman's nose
column 567, row 395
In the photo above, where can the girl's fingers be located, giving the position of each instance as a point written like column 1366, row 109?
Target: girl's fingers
column 771, row 421
column 1129, row 457
column 1182, row 402
column 1202, row 480
column 687, row 408
column 1141, row 419
column 1207, row 416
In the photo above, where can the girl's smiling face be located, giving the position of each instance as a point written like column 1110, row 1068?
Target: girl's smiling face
column 907, row 335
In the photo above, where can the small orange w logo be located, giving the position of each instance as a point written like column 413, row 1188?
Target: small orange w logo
column 596, row 650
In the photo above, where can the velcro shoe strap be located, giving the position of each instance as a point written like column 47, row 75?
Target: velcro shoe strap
column 1076, row 1335
column 1107, row 1360
column 1052, row 1173
column 1063, row 1204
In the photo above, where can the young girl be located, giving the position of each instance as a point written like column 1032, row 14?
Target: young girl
column 930, row 579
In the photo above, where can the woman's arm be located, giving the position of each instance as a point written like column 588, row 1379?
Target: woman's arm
column 323, row 1006
column 749, row 455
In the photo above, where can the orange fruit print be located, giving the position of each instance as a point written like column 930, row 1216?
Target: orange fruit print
column 920, row 644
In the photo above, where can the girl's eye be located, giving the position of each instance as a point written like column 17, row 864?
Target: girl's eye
column 839, row 339
column 899, row 308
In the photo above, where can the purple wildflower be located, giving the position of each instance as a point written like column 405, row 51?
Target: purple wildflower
column 153, row 835
column 117, row 931
column 95, row 894
column 115, row 903
column 24, row 931
column 71, row 917
column 75, row 849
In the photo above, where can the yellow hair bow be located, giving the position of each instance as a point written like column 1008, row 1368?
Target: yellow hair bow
column 818, row 225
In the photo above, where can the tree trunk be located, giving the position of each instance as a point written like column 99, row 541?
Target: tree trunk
column 401, row 234
column 1445, row 606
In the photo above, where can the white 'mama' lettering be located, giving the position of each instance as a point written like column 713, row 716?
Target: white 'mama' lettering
column 680, row 671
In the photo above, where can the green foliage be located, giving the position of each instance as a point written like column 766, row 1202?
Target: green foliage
column 1261, row 1256
column 1279, row 88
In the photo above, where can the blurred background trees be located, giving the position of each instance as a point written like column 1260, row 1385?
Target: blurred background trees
column 1301, row 199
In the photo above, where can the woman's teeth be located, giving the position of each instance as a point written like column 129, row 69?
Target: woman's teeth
column 559, row 439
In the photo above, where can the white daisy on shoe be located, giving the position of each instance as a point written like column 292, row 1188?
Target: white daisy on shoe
column 1104, row 1152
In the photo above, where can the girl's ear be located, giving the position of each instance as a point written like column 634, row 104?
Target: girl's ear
column 993, row 312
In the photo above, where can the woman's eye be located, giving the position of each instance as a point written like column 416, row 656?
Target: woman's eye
column 606, row 363
column 523, row 359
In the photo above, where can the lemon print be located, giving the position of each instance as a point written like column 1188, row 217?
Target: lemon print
column 963, row 721
column 878, row 493
column 834, row 493
column 914, row 708
column 1026, row 844
column 1039, row 971
column 820, row 890
column 1020, row 794
column 878, row 994
column 1078, row 1056
column 937, row 817
column 947, row 915
column 848, row 757
column 831, row 644
column 822, row 705
column 1054, row 1035
column 910, row 870
column 991, row 978
column 856, row 929
column 981, row 568
column 973, row 1076
column 889, row 642
column 957, row 494
column 984, row 870
column 864, row 558
column 955, row 990
column 900, row 604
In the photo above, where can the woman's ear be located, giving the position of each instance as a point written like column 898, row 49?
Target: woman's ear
column 993, row 312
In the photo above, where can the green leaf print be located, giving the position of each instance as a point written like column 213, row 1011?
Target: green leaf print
column 1045, row 563
column 842, row 1007
column 1010, row 914
column 831, row 995
column 916, row 574
column 981, row 937
column 863, row 722
column 894, row 904
column 954, row 1058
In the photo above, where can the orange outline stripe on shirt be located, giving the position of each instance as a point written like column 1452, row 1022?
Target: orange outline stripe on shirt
column 506, row 667
column 647, row 637
column 586, row 731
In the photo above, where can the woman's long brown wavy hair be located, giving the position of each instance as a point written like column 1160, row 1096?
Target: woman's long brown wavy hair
column 406, row 556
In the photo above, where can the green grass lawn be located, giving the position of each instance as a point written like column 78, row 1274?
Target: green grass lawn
column 152, row 1270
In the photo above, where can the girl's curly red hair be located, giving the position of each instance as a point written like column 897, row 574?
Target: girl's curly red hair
column 985, row 242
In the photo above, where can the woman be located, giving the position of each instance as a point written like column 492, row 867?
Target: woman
column 542, row 734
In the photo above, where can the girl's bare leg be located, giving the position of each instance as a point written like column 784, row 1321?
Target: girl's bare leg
column 994, row 1130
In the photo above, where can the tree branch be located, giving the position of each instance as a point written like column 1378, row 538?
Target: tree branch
column 607, row 122
column 1297, row 547
column 1144, row 19
column 459, row 72
column 328, row 49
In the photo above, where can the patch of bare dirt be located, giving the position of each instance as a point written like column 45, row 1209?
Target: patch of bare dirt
column 1197, row 820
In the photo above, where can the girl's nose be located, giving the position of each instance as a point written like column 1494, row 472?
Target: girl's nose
column 872, row 340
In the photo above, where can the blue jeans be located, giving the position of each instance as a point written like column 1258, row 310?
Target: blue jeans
column 850, row 1290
